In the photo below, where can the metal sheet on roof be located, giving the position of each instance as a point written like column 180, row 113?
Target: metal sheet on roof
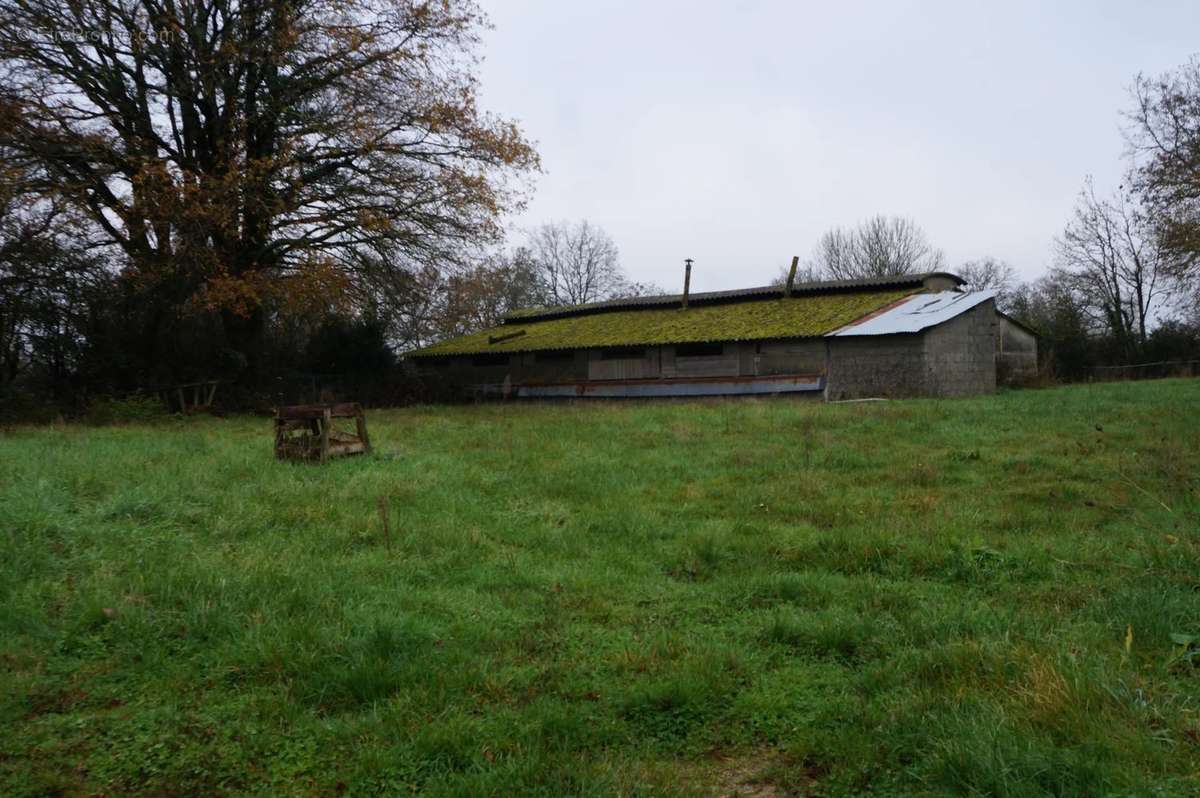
column 915, row 313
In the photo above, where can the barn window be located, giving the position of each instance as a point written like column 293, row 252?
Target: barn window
column 700, row 350
column 623, row 353
column 491, row 359
column 557, row 356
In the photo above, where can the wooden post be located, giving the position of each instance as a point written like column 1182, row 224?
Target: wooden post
column 360, row 425
column 326, row 423
column 687, row 280
column 787, row 291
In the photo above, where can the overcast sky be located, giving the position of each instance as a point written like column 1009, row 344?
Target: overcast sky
column 735, row 133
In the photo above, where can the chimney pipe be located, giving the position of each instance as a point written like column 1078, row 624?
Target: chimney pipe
column 787, row 291
column 687, row 280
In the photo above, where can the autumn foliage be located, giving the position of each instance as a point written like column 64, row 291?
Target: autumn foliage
column 238, row 159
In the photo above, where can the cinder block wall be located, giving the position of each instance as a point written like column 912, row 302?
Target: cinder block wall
column 960, row 355
column 890, row 366
column 957, row 358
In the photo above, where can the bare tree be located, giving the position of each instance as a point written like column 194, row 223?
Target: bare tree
column 1164, row 136
column 805, row 273
column 577, row 263
column 1051, row 307
column 1116, row 263
column 879, row 247
column 479, row 297
column 988, row 273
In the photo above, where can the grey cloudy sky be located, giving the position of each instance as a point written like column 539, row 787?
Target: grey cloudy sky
column 735, row 133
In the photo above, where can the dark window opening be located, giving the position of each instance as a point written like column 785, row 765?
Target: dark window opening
column 490, row 360
column 557, row 356
column 435, row 362
column 699, row 350
column 623, row 353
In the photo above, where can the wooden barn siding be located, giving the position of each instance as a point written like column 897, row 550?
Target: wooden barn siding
column 529, row 369
column 738, row 358
column 795, row 356
column 726, row 364
column 645, row 367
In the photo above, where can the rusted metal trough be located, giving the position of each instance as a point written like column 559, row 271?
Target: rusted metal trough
column 307, row 432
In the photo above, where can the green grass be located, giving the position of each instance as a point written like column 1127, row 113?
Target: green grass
column 931, row 597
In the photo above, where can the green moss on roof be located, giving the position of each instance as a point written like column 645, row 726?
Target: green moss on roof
column 798, row 317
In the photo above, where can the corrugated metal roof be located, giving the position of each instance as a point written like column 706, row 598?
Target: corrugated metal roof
column 916, row 313
column 719, row 297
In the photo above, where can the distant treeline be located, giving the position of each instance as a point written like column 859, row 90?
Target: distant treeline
column 256, row 208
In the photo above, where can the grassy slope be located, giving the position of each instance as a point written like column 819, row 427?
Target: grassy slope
column 598, row 598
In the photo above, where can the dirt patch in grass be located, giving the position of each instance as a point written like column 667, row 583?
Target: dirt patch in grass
column 747, row 775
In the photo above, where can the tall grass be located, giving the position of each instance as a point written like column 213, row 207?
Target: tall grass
column 941, row 597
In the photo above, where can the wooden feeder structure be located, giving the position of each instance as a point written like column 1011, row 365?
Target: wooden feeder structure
column 307, row 432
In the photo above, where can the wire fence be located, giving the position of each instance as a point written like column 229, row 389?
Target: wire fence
column 1146, row 371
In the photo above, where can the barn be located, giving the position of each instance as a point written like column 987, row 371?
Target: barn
column 897, row 336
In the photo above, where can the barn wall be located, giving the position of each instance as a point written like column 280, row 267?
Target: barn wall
column 473, row 373
column 794, row 356
column 888, row 366
column 1016, row 352
column 459, row 371
column 632, row 368
column 960, row 354
column 726, row 364
column 535, row 368
column 957, row 358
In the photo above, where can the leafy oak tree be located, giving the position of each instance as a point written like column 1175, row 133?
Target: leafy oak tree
column 240, row 155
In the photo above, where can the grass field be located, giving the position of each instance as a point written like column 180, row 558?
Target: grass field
column 762, row 597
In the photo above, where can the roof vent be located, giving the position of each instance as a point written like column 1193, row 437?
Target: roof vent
column 687, row 280
column 787, row 291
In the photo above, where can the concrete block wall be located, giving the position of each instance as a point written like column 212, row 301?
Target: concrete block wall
column 960, row 355
column 890, row 366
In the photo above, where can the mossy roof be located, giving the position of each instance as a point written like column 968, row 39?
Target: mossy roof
column 795, row 317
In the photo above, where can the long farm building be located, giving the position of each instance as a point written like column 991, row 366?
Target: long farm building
column 912, row 335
